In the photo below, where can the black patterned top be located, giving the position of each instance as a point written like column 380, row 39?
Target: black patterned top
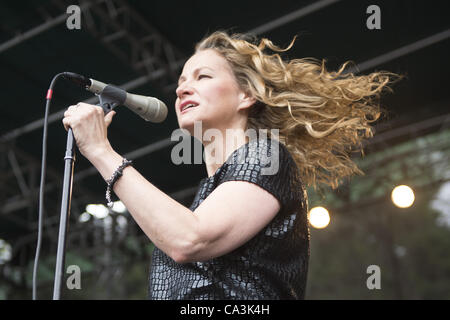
column 271, row 265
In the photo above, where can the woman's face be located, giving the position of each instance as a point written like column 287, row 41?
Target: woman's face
column 207, row 84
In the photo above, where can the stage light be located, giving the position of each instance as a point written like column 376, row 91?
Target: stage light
column 99, row 211
column 84, row 217
column 119, row 207
column 5, row 252
column 319, row 217
column 402, row 196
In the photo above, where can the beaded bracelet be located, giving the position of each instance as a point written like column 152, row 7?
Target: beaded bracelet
column 114, row 177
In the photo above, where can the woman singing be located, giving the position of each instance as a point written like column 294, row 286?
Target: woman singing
column 245, row 236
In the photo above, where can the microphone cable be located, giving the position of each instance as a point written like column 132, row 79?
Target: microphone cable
column 42, row 184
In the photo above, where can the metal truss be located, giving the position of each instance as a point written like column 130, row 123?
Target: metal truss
column 19, row 188
column 127, row 35
column 119, row 28
column 131, row 38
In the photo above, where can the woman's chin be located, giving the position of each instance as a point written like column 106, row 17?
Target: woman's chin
column 187, row 125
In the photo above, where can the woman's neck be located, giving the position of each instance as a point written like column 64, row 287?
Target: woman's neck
column 220, row 144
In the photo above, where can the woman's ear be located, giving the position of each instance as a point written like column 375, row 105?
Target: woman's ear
column 246, row 100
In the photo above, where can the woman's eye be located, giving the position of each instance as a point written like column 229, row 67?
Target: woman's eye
column 201, row 76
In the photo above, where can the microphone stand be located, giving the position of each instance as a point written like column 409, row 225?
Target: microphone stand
column 69, row 159
column 108, row 101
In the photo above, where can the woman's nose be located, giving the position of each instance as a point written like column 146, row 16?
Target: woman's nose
column 183, row 89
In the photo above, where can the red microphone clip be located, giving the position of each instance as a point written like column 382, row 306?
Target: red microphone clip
column 49, row 94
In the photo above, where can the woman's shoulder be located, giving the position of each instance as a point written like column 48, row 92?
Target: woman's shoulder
column 260, row 159
column 265, row 152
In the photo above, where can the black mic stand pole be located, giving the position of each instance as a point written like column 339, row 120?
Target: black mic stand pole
column 109, row 99
column 69, row 159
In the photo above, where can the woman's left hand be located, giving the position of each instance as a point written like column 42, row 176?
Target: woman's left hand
column 89, row 125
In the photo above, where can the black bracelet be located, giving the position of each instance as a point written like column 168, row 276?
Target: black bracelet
column 114, row 177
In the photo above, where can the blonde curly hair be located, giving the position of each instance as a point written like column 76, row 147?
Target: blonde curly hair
column 322, row 116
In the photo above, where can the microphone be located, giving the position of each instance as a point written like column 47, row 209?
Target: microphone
column 148, row 108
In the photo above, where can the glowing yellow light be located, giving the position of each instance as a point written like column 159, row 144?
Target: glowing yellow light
column 119, row 207
column 319, row 217
column 402, row 196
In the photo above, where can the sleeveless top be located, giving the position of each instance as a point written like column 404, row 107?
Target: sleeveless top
column 271, row 265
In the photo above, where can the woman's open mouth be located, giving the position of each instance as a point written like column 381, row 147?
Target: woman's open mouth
column 187, row 106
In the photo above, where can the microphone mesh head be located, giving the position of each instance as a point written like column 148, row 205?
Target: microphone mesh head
column 149, row 108
column 161, row 112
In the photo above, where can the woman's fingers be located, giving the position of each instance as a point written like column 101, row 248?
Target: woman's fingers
column 70, row 110
column 65, row 122
column 89, row 124
column 85, row 110
column 67, row 114
column 109, row 117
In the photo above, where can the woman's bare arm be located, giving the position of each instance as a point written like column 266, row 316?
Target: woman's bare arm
column 233, row 213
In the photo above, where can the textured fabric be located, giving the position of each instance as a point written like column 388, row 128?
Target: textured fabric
column 274, row 263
